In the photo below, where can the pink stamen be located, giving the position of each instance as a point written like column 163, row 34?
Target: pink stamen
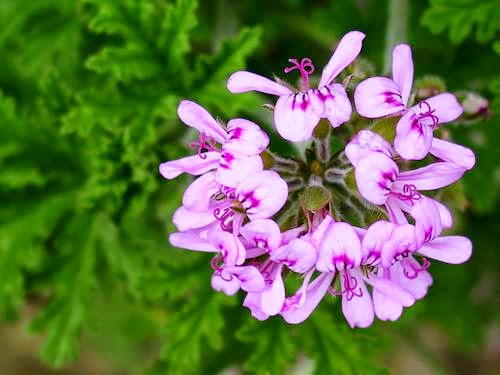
column 416, row 270
column 217, row 262
column 409, row 194
column 224, row 216
column 204, row 144
column 350, row 284
column 429, row 114
column 305, row 67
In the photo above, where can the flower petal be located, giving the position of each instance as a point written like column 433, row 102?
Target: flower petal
column 402, row 70
column 374, row 176
column 228, row 284
column 403, row 240
column 346, row 52
column 299, row 255
column 340, row 248
column 229, row 246
column 377, row 235
column 185, row 219
column 194, row 165
column 427, row 220
column 386, row 307
column 364, row 143
column 197, row 195
column 445, row 106
column 263, row 233
column 430, row 177
column 274, row 297
column 378, row 97
column 251, row 280
column 197, row 117
column 253, row 302
column 234, row 167
column 191, row 241
column 392, row 289
column 244, row 81
column 262, row 194
column 245, row 137
column 453, row 153
column 295, row 118
column 331, row 102
column 413, row 140
column 448, row 249
column 315, row 292
column 358, row 310
column 418, row 285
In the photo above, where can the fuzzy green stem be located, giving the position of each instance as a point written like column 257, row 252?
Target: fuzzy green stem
column 396, row 29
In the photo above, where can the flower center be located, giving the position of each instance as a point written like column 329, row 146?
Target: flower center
column 305, row 68
column 428, row 114
column 350, row 285
column 203, row 145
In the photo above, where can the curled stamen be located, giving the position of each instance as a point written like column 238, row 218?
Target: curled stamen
column 409, row 193
column 428, row 114
column 204, row 144
column 305, row 67
column 224, row 216
column 217, row 262
column 350, row 284
column 413, row 273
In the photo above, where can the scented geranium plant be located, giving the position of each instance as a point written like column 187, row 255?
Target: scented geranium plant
column 361, row 222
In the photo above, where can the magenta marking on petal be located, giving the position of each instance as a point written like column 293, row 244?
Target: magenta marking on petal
column 236, row 133
column 305, row 103
column 228, row 158
column 323, row 97
column 390, row 98
column 305, row 67
column 253, row 202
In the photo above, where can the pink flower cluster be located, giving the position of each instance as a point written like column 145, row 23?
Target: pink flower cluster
column 376, row 271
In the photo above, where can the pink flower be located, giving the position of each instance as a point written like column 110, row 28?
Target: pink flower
column 296, row 114
column 380, row 96
column 232, row 152
column 259, row 196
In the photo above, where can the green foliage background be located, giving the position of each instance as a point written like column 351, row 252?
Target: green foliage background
column 88, row 97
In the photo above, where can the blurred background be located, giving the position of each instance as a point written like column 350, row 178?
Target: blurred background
column 88, row 97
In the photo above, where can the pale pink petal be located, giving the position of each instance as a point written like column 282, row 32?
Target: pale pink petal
column 403, row 239
column 373, row 241
column 295, row 118
column 229, row 246
column 253, row 302
column 453, row 153
column 315, row 293
column 378, row 97
column 364, row 143
column 413, row 140
column 263, row 233
column 444, row 106
column 318, row 233
column 191, row 241
column 392, row 289
column 194, row 165
column 448, row 249
column 340, row 248
column 358, row 310
column 430, row 177
column 394, row 209
column 418, row 285
column 386, row 307
column 346, row 52
column 331, row 102
column 245, row 137
column 251, row 280
column 374, row 176
column 427, row 220
column 444, row 213
column 299, row 255
column 263, row 194
column 274, row 297
column 185, row 219
column 234, row 167
column 197, row 195
column 402, row 70
column 226, row 283
column 197, row 117
column 243, row 81
column 291, row 234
